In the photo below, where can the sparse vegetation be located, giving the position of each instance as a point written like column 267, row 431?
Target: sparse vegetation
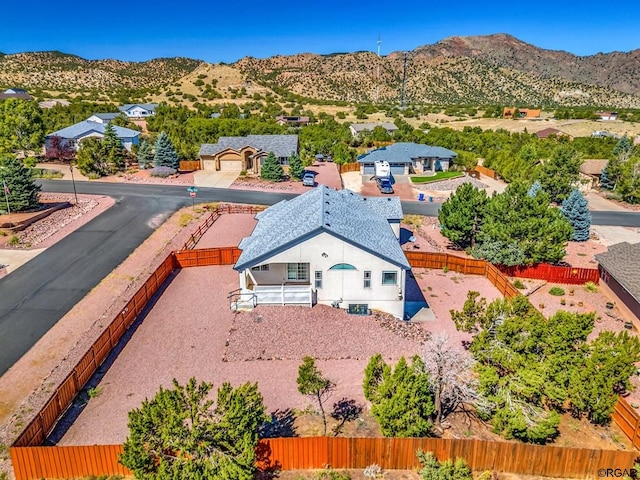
column 591, row 287
column 556, row 291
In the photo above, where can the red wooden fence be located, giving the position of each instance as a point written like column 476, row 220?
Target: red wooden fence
column 628, row 420
column 302, row 453
column 349, row 167
column 189, row 166
column 554, row 274
column 485, row 171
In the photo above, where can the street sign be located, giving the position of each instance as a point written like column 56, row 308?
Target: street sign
column 193, row 194
column 192, row 190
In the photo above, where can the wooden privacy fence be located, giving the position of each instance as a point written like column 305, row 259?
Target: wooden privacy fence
column 400, row 453
column 189, row 166
column 469, row 266
column 207, row 256
column 485, row 171
column 554, row 274
column 302, row 453
column 542, row 271
column 211, row 219
column 349, row 167
column 628, row 420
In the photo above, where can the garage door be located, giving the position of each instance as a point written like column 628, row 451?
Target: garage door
column 397, row 168
column 231, row 165
column 369, row 169
column 209, row 164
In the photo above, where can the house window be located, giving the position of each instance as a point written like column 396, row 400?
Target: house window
column 343, row 266
column 298, row 271
column 358, row 309
column 389, row 278
column 318, row 279
column 367, row 279
column 260, row 268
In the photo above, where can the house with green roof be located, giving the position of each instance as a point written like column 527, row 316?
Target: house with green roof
column 405, row 158
column 314, row 249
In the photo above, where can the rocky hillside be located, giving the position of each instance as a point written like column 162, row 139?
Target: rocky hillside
column 460, row 70
column 55, row 71
column 492, row 69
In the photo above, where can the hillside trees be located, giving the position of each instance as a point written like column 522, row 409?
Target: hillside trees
column 576, row 209
column 181, row 433
column 21, row 127
column 401, row 397
column 21, row 189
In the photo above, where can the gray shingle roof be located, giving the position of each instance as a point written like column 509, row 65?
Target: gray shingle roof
column 622, row 261
column 280, row 145
column 107, row 117
column 341, row 213
column 80, row 129
column 147, row 106
column 403, row 153
column 361, row 127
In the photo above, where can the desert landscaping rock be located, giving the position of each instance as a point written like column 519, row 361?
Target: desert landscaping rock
column 450, row 184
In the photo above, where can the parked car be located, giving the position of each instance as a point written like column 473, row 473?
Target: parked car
column 384, row 185
column 308, row 179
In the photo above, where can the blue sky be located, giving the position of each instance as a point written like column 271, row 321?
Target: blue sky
column 224, row 30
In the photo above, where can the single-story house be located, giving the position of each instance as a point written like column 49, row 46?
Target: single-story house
column 509, row 112
column 246, row 153
column 546, row 132
column 591, row 170
column 357, row 128
column 103, row 117
column 406, row 157
column 54, row 102
column 292, row 120
column 75, row 134
column 619, row 267
column 607, row 116
column 15, row 93
column 138, row 110
column 314, row 249
column 603, row 134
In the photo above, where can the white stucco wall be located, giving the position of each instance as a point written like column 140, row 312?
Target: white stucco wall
column 137, row 112
column 341, row 284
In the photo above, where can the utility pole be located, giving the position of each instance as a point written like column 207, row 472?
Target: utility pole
column 404, row 82
column 379, row 42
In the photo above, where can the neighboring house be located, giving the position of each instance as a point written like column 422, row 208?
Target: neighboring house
column 246, row 153
column 546, row 132
column 406, row 157
column 75, row 134
column 607, row 116
column 357, row 128
column 54, row 102
column 15, row 93
column 138, row 110
column 603, row 134
column 103, row 117
column 513, row 112
column 292, row 121
column 619, row 267
column 591, row 170
column 315, row 249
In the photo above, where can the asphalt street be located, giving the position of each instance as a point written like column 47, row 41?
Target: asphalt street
column 38, row 294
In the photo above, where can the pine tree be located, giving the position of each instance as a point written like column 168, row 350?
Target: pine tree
column 576, row 209
column 462, row 215
column 21, row 189
column 165, row 155
column 296, row 169
column 535, row 188
column 606, row 180
column 314, row 384
column 271, row 170
column 181, row 434
column 114, row 150
column 145, row 155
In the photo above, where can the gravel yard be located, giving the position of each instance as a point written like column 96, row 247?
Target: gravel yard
column 228, row 231
column 449, row 184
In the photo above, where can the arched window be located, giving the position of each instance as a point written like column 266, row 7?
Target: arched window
column 343, row 266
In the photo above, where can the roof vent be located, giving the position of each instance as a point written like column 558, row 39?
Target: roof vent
column 365, row 199
column 327, row 212
column 327, row 224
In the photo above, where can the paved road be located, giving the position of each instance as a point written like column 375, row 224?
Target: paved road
column 38, row 294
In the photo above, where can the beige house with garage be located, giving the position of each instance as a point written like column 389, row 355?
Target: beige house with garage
column 327, row 246
column 237, row 154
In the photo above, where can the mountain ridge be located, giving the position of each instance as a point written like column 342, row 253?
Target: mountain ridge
column 483, row 69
